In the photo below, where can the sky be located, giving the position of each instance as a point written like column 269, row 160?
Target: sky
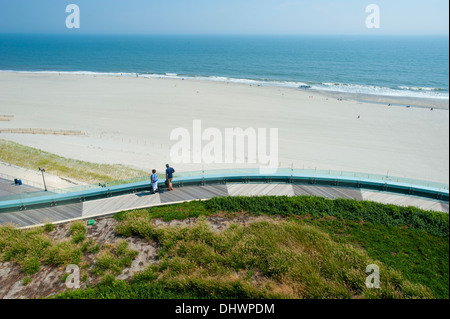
column 226, row 17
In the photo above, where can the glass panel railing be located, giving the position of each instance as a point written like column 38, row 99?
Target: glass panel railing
column 30, row 193
column 315, row 173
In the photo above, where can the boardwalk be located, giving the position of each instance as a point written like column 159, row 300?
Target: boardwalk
column 109, row 206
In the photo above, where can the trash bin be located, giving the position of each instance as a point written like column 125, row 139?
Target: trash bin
column 20, row 182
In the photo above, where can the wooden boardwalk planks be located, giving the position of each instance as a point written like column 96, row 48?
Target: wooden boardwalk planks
column 113, row 205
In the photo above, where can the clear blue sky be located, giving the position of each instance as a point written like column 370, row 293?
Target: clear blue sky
column 225, row 16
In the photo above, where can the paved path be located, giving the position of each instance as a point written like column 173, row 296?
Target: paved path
column 9, row 188
column 108, row 206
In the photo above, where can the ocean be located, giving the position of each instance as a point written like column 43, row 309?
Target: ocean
column 383, row 65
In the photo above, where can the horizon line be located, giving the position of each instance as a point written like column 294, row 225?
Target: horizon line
column 75, row 33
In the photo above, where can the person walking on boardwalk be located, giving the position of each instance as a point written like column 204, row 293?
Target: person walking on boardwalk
column 154, row 180
column 169, row 176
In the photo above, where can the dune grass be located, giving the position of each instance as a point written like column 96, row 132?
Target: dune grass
column 32, row 158
column 419, row 256
column 435, row 223
column 409, row 239
column 310, row 253
column 33, row 248
column 113, row 259
column 301, row 254
column 263, row 260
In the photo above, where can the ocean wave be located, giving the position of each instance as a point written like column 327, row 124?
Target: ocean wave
column 414, row 88
column 290, row 84
column 75, row 72
column 400, row 91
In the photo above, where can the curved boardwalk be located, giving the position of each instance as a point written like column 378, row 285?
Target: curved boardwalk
column 108, row 206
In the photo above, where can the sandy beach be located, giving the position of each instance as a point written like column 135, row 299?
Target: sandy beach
column 128, row 120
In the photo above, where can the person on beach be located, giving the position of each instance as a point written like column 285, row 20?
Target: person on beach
column 169, row 176
column 154, row 180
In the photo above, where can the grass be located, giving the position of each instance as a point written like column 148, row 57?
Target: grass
column 435, row 223
column 26, row 281
column 409, row 239
column 118, row 289
column 32, row 158
column 317, row 249
column 400, row 237
column 419, row 256
column 25, row 247
column 49, row 227
column 78, row 231
column 167, row 213
column 114, row 259
column 314, row 253
column 32, row 248
column 77, row 227
column 264, row 260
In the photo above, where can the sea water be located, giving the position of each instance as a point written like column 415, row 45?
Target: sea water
column 412, row 66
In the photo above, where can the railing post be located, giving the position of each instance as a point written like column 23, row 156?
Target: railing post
column 42, row 170
column 291, row 180
column 203, row 175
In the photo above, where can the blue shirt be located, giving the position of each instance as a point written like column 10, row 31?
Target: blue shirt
column 154, row 178
column 169, row 172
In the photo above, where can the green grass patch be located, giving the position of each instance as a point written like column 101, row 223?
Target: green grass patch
column 32, row 158
column 64, row 253
column 114, row 259
column 49, row 227
column 31, row 264
column 31, row 248
column 168, row 213
column 410, row 240
column 419, row 256
column 78, row 231
column 319, row 250
column 435, row 223
column 77, row 227
column 264, row 260
column 25, row 247
column 26, row 280
column 118, row 289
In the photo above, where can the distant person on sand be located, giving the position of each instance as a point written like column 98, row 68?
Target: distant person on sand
column 169, row 176
column 154, row 179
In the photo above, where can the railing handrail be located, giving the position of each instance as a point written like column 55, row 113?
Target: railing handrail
column 53, row 198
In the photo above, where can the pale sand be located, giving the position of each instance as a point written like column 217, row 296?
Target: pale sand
column 128, row 120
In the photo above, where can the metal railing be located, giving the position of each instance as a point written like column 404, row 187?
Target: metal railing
column 430, row 190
